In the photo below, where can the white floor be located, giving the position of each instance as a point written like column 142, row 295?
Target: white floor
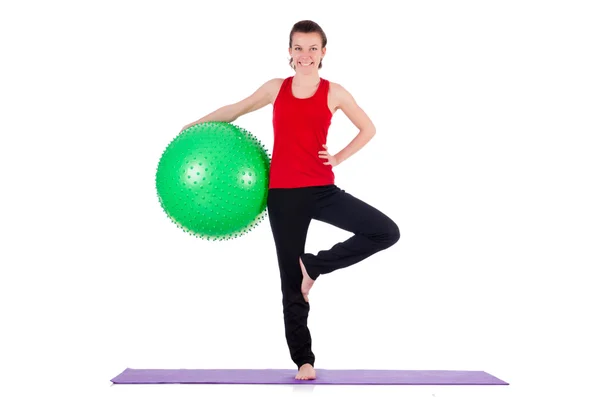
column 350, row 391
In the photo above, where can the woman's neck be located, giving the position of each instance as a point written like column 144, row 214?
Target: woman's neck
column 306, row 80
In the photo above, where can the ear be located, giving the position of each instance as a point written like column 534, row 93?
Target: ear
column 290, row 51
column 324, row 51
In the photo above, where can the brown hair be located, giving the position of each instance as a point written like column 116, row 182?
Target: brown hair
column 308, row 26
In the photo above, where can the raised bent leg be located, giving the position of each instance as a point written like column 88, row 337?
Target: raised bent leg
column 373, row 231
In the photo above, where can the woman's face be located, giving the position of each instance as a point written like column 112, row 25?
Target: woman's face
column 306, row 52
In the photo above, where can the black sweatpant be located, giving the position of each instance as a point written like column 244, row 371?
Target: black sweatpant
column 290, row 212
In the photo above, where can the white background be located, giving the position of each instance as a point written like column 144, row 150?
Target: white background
column 487, row 116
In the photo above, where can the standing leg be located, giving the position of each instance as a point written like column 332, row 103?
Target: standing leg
column 373, row 232
column 290, row 213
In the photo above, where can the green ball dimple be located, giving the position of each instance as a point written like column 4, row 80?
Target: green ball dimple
column 233, row 181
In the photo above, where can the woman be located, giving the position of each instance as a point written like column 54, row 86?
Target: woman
column 301, row 181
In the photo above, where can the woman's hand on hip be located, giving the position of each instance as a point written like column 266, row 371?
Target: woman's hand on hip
column 331, row 160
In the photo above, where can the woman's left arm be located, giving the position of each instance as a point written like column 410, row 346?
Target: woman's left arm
column 358, row 117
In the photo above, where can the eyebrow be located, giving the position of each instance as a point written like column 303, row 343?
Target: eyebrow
column 313, row 45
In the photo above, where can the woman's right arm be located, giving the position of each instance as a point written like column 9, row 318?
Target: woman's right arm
column 264, row 95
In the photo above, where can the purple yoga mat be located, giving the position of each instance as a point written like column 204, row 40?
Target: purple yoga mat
column 324, row 377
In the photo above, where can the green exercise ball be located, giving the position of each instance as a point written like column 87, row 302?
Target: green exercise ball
column 212, row 180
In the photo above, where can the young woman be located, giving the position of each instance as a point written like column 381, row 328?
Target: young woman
column 301, row 181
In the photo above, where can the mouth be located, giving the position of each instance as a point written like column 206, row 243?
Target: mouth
column 305, row 64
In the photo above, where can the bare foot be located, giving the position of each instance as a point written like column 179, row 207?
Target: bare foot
column 307, row 282
column 306, row 372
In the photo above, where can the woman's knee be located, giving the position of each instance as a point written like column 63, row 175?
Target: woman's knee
column 392, row 234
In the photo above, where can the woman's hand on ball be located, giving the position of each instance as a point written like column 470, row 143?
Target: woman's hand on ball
column 187, row 126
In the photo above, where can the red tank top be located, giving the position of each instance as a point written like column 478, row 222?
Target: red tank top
column 300, row 128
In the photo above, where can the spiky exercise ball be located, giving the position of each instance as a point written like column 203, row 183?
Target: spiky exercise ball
column 212, row 180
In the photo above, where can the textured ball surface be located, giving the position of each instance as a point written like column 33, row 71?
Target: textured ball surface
column 212, row 180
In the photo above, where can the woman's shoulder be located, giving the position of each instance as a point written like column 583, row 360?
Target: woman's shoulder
column 277, row 80
column 337, row 90
column 336, row 87
column 273, row 86
column 275, row 83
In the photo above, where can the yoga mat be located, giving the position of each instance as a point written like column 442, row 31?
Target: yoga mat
column 324, row 377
